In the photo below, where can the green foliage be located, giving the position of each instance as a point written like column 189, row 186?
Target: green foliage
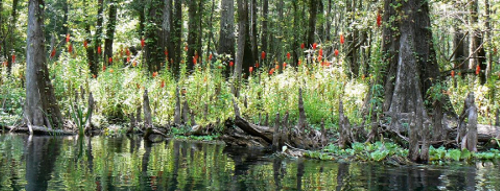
column 375, row 152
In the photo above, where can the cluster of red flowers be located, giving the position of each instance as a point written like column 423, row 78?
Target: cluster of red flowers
column 379, row 20
column 478, row 69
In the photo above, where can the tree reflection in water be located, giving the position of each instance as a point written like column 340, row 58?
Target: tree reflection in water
column 106, row 163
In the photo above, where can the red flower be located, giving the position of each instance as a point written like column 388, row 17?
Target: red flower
column 128, row 52
column 143, row 43
column 111, row 70
column 99, row 51
column 53, row 53
column 186, row 48
column 336, row 52
column 210, row 57
column 128, row 58
column 162, row 83
column 320, row 58
column 194, row 60
column 250, row 69
column 288, row 55
column 452, row 73
column 155, row 74
column 342, row 39
column 134, row 64
column 271, row 71
column 94, row 76
column 166, row 52
column 299, row 62
column 478, row 69
column 231, row 64
column 103, row 68
column 13, row 58
column 263, row 55
column 315, row 45
column 257, row 64
column 85, row 44
column 379, row 20
column 67, row 38
column 321, row 52
column 110, row 60
column 284, row 65
column 302, row 46
column 70, row 48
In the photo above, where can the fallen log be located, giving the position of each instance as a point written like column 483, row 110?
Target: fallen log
column 38, row 130
column 263, row 132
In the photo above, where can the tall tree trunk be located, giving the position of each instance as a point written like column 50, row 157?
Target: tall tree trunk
column 253, row 27
column 193, row 25
column 248, row 58
column 296, row 35
column 414, row 65
column 41, row 106
column 327, row 36
column 460, row 48
column 242, row 27
column 476, row 40
column 110, row 32
column 313, row 6
column 351, row 38
column 90, row 50
column 280, row 34
column 154, row 50
column 167, row 42
column 12, row 43
column 177, row 36
column 264, row 37
column 200, row 32
column 488, row 37
column 98, row 35
column 210, row 34
column 321, row 26
column 226, row 34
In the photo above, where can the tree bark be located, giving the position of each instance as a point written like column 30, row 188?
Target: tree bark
column 167, row 43
column 41, row 107
column 489, row 37
column 477, row 57
column 226, row 34
column 242, row 27
column 313, row 6
column 192, row 40
column 11, row 45
column 177, row 36
column 264, row 37
column 253, row 28
column 110, row 32
column 154, row 50
column 412, row 66
column 98, row 35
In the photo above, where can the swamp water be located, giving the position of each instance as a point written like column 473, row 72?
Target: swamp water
column 120, row 163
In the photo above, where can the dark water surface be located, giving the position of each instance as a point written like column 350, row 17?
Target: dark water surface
column 103, row 163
